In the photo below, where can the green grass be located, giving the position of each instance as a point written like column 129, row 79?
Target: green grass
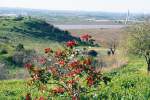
column 130, row 82
column 12, row 89
column 25, row 33
column 34, row 34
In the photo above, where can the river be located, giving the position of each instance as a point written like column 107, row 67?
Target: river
column 68, row 27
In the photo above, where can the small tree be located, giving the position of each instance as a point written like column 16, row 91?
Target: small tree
column 112, row 45
column 19, row 47
column 139, row 41
column 112, row 42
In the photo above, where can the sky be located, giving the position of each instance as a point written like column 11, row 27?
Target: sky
column 142, row 6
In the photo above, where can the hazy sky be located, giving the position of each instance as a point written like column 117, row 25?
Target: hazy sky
column 85, row 5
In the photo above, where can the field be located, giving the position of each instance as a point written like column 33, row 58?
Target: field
column 130, row 82
column 128, row 73
column 100, row 35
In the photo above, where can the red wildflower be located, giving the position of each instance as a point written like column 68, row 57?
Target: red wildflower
column 28, row 65
column 47, row 50
column 85, row 37
column 71, row 81
column 71, row 74
column 41, row 98
column 58, row 53
column 62, row 62
column 74, row 98
column 28, row 97
column 71, row 43
column 78, row 71
column 74, row 64
column 58, row 90
column 90, row 81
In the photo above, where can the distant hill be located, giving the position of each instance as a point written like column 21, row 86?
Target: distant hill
column 34, row 28
column 32, row 34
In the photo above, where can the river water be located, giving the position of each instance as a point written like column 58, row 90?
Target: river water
column 67, row 27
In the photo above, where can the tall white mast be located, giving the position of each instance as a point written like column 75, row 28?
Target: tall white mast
column 127, row 17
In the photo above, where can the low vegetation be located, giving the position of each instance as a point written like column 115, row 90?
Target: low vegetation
column 22, row 37
column 128, row 82
column 122, row 63
column 139, row 41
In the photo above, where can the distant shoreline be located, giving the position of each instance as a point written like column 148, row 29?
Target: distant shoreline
column 68, row 27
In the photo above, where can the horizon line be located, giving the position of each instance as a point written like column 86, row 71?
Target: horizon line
column 91, row 11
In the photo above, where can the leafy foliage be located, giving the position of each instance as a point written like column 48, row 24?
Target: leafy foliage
column 70, row 70
column 139, row 41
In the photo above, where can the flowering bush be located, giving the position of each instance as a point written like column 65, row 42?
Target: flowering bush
column 66, row 71
column 85, row 37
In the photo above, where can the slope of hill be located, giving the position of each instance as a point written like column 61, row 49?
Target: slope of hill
column 33, row 27
column 31, row 32
column 34, row 34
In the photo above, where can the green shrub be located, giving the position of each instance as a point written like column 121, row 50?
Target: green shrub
column 21, row 57
column 19, row 47
column 3, row 51
column 3, row 72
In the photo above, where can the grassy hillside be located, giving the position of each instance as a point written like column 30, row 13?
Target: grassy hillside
column 130, row 82
column 34, row 34
column 31, row 31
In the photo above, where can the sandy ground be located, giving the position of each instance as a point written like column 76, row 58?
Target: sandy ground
column 100, row 35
